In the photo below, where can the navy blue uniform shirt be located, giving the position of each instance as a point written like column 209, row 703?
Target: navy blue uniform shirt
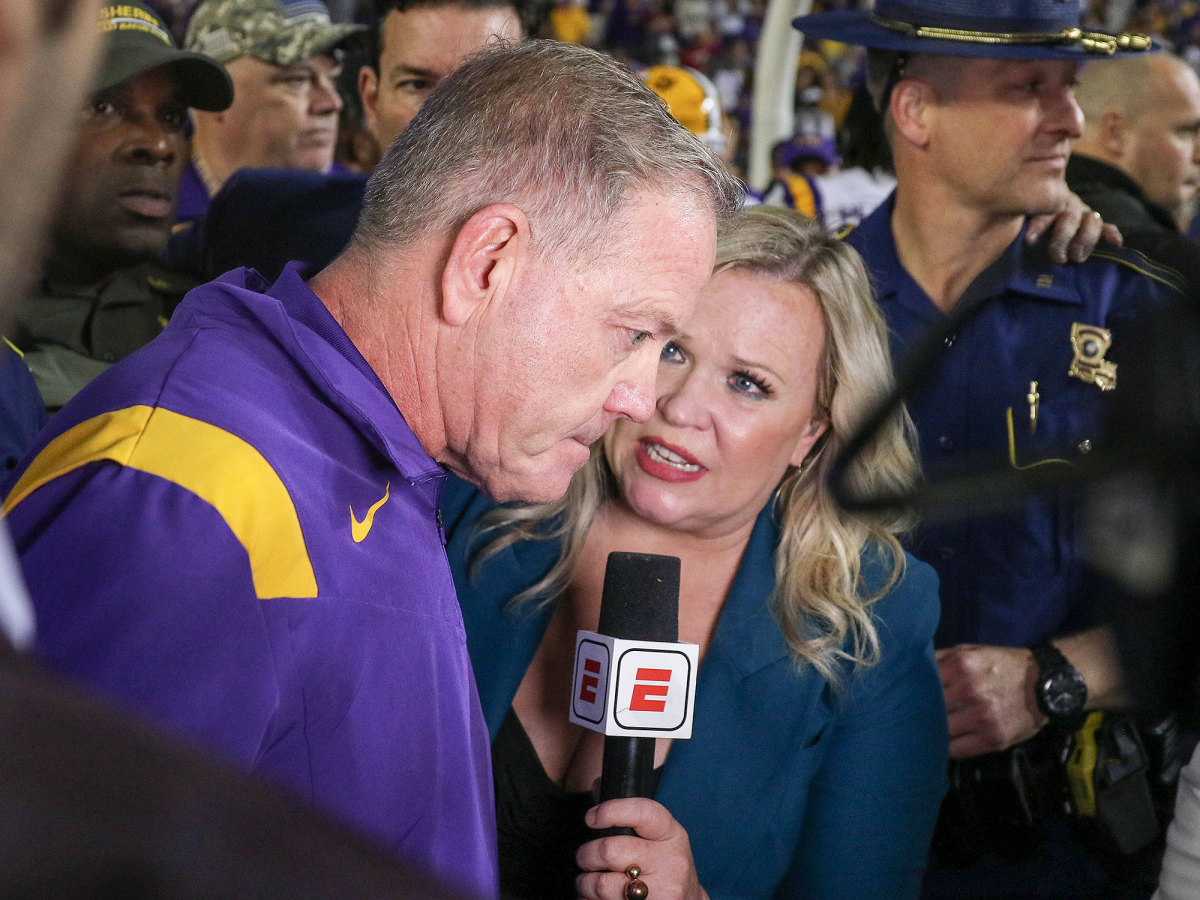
column 1014, row 578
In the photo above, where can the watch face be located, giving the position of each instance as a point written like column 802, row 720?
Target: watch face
column 1063, row 692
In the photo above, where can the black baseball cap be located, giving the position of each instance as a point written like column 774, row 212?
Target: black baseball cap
column 136, row 40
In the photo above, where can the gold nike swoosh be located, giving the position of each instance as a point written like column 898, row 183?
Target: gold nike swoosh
column 359, row 530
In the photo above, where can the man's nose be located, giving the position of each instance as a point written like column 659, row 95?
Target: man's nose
column 325, row 97
column 153, row 141
column 1068, row 115
column 633, row 397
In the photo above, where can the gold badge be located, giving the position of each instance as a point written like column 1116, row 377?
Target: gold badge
column 1090, row 343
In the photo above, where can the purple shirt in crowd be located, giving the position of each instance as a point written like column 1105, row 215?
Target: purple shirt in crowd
column 234, row 532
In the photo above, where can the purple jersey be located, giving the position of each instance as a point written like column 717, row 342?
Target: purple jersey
column 234, row 531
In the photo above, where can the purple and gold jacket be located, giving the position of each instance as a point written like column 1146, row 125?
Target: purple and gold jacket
column 234, row 532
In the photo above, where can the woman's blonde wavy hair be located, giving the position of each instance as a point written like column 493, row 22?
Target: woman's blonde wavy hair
column 819, row 597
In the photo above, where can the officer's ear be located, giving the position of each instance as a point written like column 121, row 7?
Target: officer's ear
column 912, row 107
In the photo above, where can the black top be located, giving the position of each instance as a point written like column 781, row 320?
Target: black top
column 1146, row 226
column 539, row 825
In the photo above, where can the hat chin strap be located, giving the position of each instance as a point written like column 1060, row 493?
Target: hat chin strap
column 1091, row 41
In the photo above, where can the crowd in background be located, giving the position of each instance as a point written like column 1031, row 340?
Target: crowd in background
column 251, row 146
column 719, row 38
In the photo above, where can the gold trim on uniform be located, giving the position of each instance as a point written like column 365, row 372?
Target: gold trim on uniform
column 1091, row 41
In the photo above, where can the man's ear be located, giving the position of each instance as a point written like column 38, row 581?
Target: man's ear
column 368, row 92
column 808, row 439
column 910, row 107
column 1113, row 133
column 485, row 257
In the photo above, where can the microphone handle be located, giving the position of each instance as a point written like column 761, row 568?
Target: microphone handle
column 628, row 771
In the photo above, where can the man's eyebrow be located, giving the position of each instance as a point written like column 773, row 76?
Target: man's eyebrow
column 667, row 321
column 403, row 69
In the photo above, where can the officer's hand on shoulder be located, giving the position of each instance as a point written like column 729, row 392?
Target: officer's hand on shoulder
column 1074, row 231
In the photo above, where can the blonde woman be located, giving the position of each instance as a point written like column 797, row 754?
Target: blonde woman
column 818, row 757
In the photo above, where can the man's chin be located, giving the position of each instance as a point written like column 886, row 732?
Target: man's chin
column 540, row 488
column 540, row 478
column 1046, row 199
column 318, row 161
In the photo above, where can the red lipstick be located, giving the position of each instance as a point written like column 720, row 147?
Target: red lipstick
column 667, row 462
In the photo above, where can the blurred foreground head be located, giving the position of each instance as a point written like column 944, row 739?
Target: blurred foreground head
column 48, row 52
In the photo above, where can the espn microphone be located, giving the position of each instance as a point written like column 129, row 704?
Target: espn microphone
column 633, row 681
column 640, row 603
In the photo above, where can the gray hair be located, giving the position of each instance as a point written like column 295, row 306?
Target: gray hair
column 566, row 134
column 820, row 601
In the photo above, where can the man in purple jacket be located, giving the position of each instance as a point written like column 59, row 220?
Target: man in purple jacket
column 234, row 530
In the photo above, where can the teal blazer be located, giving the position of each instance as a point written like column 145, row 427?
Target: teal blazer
column 785, row 789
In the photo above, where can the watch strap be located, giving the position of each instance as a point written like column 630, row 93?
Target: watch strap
column 1048, row 657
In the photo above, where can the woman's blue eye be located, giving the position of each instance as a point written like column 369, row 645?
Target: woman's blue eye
column 671, row 352
column 745, row 383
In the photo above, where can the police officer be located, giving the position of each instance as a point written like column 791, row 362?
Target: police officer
column 101, row 294
column 980, row 114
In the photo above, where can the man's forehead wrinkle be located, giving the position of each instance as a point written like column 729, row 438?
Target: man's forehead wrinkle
column 659, row 310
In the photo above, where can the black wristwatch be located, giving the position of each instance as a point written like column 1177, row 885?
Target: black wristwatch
column 1060, row 690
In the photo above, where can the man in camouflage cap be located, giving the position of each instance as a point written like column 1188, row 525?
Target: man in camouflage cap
column 284, row 58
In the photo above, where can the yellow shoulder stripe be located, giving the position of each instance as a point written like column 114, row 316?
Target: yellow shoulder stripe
column 1144, row 266
column 14, row 348
column 218, row 467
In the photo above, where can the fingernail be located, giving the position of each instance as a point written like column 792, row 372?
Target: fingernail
column 1077, row 254
column 1058, row 253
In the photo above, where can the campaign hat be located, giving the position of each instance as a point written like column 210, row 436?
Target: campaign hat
column 276, row 31
column 136, row 40
column 994, row 29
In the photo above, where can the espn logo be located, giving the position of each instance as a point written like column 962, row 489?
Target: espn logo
column 649, row 691
column 651, row 685
column 589, row 699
